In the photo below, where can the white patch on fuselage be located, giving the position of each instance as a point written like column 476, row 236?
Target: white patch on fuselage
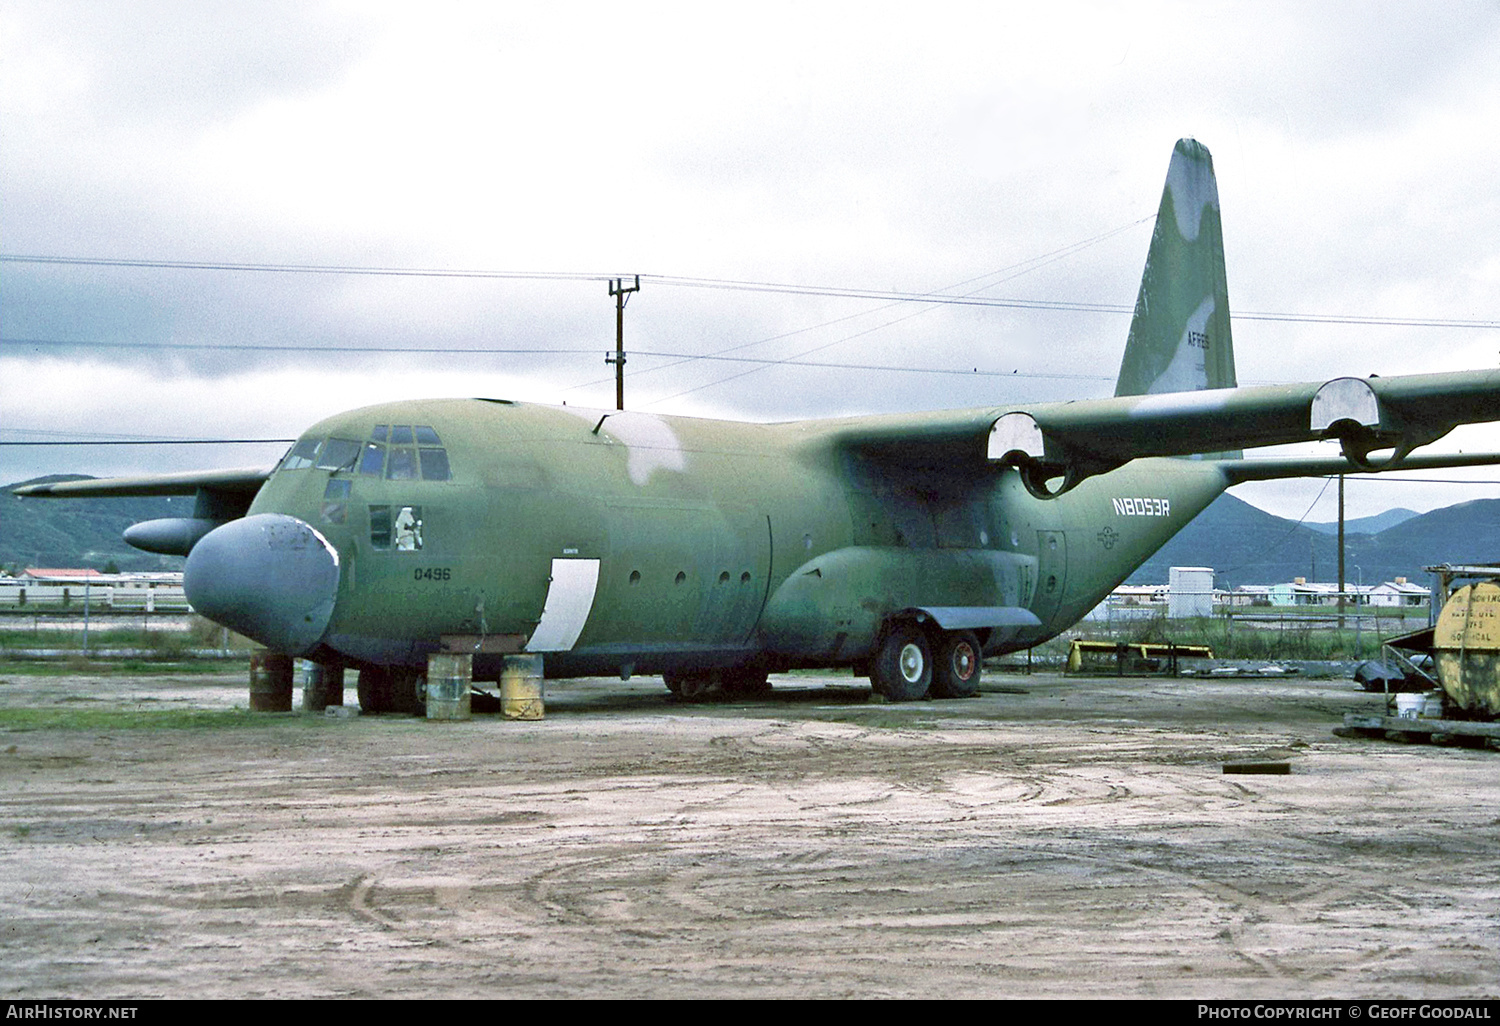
column 1192, row 186
column 650, row 442
column 1188, row 370
column 565, row 610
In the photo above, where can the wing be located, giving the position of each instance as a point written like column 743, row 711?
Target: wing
column 220, row 496
column 243, row 481
column 1056, row 445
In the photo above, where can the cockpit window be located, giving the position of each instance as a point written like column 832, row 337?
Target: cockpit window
column 302, row 454
column 338, row 454
column 434, row 464
column 402, row 466
column 373, row 460
column 403, row 452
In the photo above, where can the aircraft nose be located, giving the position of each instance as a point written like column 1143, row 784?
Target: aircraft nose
column 272, row 578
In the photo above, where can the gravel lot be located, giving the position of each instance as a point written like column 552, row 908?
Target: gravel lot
column 1053, row 837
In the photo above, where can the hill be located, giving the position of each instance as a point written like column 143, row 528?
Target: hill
column 1246, row 545
column 1367, row 525
column 80, row 532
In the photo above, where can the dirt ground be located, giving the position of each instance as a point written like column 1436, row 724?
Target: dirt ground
column 1077, row 839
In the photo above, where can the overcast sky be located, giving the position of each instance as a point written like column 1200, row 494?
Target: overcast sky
column 894, row 147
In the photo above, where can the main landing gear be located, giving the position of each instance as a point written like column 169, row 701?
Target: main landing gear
column 912, row 663
column 717, row 685
column 392, row 690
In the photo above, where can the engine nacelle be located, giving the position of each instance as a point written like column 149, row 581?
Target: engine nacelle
column 1017, row 440
column 171, row 536
column 1350, row 409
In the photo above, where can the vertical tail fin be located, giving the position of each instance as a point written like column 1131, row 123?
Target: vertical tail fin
column 1179, row 336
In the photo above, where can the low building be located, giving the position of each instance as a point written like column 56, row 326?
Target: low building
column 1399, row 593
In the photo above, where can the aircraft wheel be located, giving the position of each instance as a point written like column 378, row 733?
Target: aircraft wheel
column 956, row 665
column 692, row 687
column 374, row 690
column 902, row 670
column 746, row 683
column 409, row 691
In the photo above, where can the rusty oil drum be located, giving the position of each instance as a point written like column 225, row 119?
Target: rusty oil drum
column 270, row 682
column 449, row 677
column 521, row 687
column 1466, row 641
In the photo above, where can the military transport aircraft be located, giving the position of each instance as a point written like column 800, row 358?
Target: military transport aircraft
column 712, row 553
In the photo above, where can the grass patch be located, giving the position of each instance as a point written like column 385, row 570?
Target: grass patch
column 76, row 666
column 146, row 719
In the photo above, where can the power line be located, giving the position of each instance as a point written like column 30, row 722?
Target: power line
column 164, row 441
column 240, row 347
column 226, row 265
column 473, row 351
column 999, row 276
column 683, row 281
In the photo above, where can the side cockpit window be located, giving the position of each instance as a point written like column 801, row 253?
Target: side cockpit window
column 302, row 454
column 405, row 452
column 324, row 453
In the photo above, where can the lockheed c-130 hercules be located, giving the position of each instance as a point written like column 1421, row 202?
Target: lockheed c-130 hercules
column 713, row 553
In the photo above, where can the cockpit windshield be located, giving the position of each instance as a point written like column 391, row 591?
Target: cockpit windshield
column 397, row 452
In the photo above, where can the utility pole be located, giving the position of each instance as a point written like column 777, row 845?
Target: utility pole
column 1341, row 554
column 621, row 292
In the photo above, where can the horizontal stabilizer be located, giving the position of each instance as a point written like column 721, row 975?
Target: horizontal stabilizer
column 1277, row 468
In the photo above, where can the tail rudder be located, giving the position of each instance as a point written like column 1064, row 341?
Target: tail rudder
column 1179, row 337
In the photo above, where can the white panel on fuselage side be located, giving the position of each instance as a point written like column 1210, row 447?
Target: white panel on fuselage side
column 570, row 598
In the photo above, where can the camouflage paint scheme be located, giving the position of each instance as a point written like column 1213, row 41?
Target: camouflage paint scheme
column 623, row 542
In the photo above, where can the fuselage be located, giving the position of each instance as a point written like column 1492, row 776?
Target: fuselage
column 634, row 543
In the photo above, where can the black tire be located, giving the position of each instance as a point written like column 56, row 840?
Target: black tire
column 746, row 683
column 956, row 665
column 374, row 689
column 902, row 670
column 409, row 691
column 693, row 687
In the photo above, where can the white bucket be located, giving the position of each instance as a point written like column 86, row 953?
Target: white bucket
column 1409, row 707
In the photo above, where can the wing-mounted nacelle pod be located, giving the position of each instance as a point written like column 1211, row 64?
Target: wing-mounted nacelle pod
column 1350, row 410
column 173, row 536
column 1017, row 440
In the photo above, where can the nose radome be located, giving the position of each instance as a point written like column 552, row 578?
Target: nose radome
column 272, row 578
